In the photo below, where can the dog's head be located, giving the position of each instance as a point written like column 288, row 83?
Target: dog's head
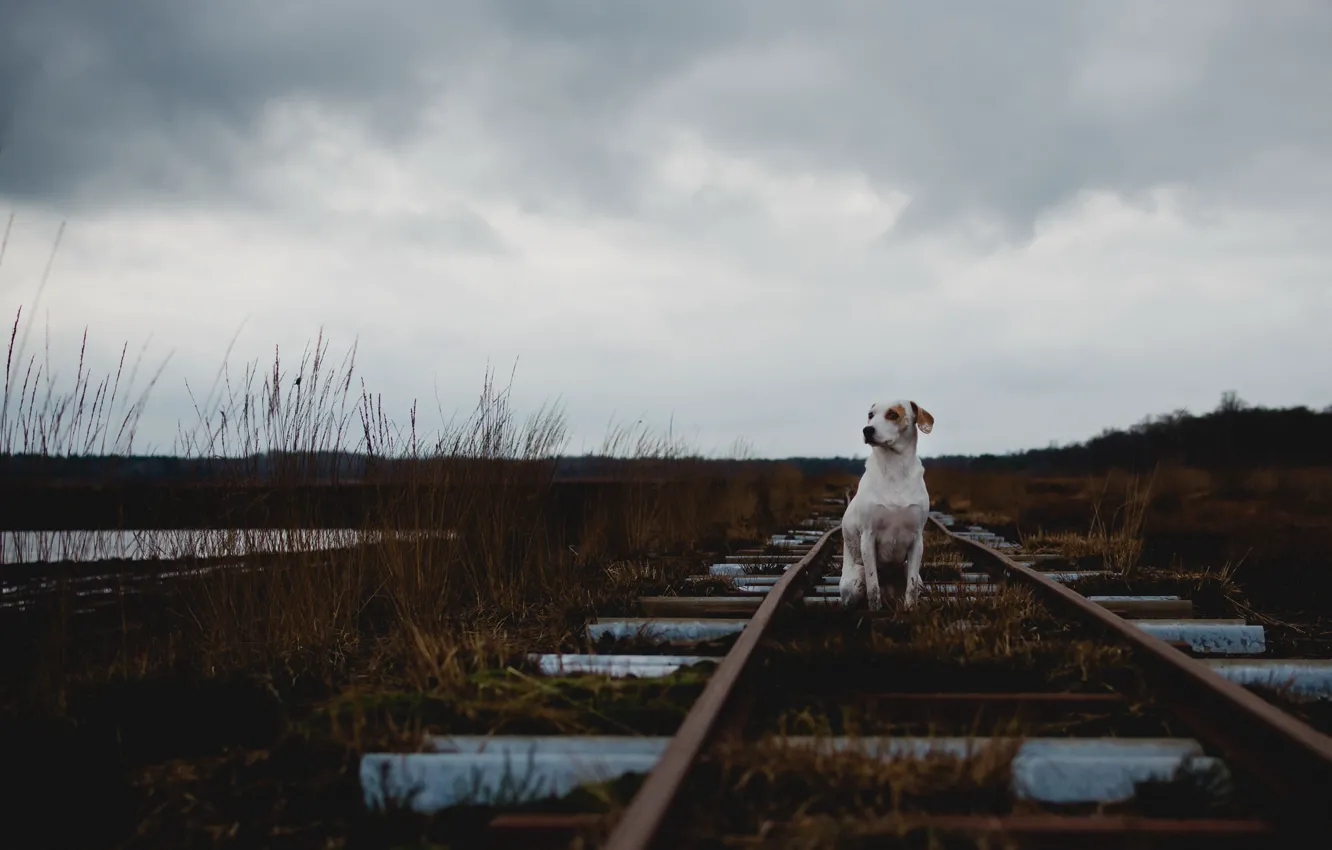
column 893, row 424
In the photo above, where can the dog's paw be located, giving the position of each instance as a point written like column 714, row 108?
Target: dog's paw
column 875, row 600
column 852, row 593
column 912, row 594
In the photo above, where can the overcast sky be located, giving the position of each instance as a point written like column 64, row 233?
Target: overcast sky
column 1036, row 219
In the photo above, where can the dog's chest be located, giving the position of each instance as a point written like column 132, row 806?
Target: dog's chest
column 894, row 526
column 893, row 488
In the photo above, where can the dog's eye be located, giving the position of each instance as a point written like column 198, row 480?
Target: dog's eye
column 871, row 415
column 892, row 415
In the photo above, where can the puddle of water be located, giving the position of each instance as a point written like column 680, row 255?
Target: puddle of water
column 82, row 546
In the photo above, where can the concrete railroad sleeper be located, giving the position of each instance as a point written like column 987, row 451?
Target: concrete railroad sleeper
column 1291, row 761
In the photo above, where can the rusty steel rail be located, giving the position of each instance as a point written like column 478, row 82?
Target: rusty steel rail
column 1291, row 759
column 645, row 816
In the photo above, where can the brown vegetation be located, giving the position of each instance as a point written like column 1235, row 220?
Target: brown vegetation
column 228, row 708
column 235, row 686
column 1268, row 530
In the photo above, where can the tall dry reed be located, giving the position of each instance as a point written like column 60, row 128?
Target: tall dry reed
column 460, row 550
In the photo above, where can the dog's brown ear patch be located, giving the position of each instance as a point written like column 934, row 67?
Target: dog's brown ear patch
column 924, row 420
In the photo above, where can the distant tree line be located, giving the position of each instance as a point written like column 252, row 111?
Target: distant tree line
column 1233, row 436
column 330, row 467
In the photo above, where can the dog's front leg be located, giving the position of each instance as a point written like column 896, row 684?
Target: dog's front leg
column 852, row 584
column 915, row 556
column 870, row 555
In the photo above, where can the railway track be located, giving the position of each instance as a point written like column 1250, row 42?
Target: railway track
column 888, row 728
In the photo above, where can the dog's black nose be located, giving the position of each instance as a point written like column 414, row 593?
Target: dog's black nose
column 868, row 431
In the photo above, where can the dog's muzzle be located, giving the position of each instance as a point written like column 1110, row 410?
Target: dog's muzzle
column 868, row 431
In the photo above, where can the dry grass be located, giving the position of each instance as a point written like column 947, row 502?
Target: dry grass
column 1116, row 542
column 484, row 560
column 893, row 831
column 1217, row 593
column 511, row 701
column 985, row 498
column 287, row 666
column 942, row 559
column 1006, row 642
column 1169, row 498
column 1267, row 529
column 998, row 620
column 947, row 643
column 1214, row 593
column 37, row 417
column 1121, row 535
column 774, row 793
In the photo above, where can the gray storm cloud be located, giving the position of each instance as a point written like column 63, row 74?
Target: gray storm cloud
column 986, row 109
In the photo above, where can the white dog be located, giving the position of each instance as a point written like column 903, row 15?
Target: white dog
column 883, row 529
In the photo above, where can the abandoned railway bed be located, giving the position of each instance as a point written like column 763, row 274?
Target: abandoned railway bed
column 1005, row 709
